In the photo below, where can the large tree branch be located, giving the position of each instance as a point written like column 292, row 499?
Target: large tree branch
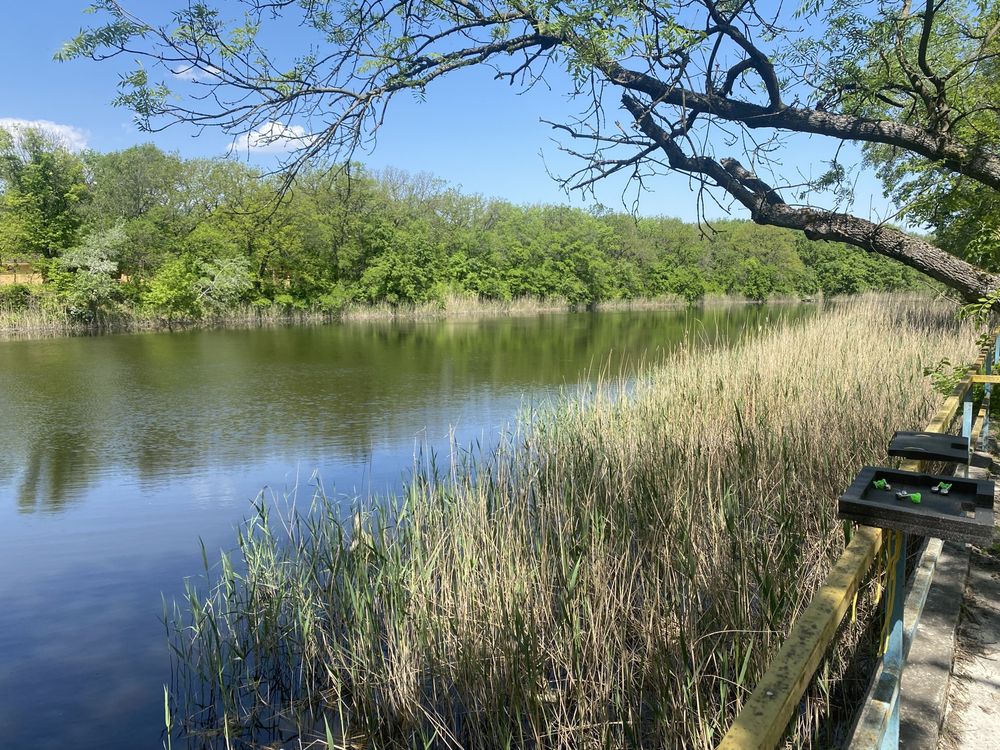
column 950, row 152
column 767, row 207
column 370, row 77
column 755, row 58
column 382, row 47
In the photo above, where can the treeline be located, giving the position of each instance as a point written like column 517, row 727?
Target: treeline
column 144, row 230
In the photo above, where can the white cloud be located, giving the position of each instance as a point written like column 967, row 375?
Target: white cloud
column 273, row 137
column 69, row 136
column 195, row 73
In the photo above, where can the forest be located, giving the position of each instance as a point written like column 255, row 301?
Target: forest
column 144, row 233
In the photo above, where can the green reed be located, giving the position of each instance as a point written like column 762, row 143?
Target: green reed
column 617, row 573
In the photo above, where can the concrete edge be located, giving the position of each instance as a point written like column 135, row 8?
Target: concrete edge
column 927, row 675
column 926, row 678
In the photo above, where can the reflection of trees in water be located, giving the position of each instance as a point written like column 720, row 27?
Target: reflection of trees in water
column 158, row 405
column 53, row 433
column 54, row 470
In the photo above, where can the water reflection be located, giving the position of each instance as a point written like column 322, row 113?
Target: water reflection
column 118, row 454
column 156, row 406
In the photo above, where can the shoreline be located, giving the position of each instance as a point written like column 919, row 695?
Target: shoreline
column 40, row 324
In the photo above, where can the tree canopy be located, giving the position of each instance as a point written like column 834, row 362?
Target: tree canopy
column 41, row 186
column 178, row 239
column 711, row 88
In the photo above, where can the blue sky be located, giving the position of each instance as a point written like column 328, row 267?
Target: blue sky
column 471, row 131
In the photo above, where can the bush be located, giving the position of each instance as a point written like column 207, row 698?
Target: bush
column 173, row 292
column 225, row 283
column 687, row 282
column 86, row 276
column 15, row 297
column 289, row 302
column 338, row 298
column 403, row 275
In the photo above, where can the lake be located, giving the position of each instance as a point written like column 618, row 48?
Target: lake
column 120, row 455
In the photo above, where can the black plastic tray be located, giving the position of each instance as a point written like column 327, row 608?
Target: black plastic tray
column 930, row 446
column 965, row 514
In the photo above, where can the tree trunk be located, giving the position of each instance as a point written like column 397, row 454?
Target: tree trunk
column 767, row 207
column 968, row 280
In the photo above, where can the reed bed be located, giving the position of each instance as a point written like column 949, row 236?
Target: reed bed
column 668, row 301
column 457, row 306
column 41, row 320
column 33, row 321
column 38, row 321
column 617, row 574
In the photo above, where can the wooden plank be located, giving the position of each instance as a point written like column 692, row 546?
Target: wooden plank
column 766, row 713
column 985, row 378
column 764, row 717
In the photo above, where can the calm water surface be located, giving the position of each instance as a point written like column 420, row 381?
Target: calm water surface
column 118, row 453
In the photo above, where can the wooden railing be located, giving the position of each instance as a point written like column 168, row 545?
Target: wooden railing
column 762, row 721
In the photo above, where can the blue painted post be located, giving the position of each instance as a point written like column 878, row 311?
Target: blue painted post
column 892, row 660
column 984, row 433
column 967, row 414
column 991, row 365
column 967, row 424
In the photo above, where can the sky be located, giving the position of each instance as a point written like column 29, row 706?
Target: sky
column 471, row 131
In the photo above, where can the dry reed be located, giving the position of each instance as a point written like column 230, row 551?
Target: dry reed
column 41, row 320
column 617, row 574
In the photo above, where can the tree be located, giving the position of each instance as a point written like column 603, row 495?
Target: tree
column 957, row 76
column 86, row 276
column 687, row 282
column 407, row 270
column 225, row 283
column 146, row 190
column 756, row 261
column 42, row 187
column 125, row 185
column 173, row 293
column 696, row 77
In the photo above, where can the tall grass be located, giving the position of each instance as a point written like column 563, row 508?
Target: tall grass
column 41, row 319
column 38, row 320
column 460, row 306
column 617, row 574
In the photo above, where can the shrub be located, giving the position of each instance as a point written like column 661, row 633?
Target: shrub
column 15, row 297
column 173, row 292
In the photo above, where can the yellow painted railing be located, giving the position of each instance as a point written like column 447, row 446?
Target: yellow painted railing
column 764, row 717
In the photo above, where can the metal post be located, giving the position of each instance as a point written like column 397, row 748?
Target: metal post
column 967, row 424
column 892, row 660
column 991, row 364
column 987, row 369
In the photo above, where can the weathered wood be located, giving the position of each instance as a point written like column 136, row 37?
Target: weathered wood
column 763, row 719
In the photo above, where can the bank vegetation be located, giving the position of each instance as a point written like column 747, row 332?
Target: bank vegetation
column 140, row 239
